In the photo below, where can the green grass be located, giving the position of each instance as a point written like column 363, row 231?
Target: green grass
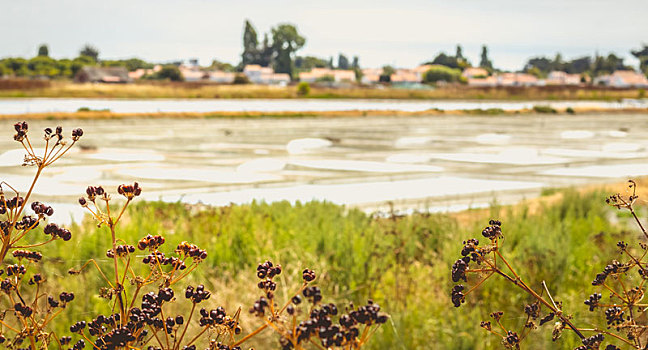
column 403, row 264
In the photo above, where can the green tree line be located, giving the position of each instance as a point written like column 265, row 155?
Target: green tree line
column 42, row 65
column 587, row 65
column 279, row 48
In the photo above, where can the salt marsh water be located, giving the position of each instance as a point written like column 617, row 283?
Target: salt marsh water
column 433, row 162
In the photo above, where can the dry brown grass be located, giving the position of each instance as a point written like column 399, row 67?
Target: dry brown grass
column 202, row 90
column 535, row 206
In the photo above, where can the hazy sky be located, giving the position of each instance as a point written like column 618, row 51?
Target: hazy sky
column 402, row 33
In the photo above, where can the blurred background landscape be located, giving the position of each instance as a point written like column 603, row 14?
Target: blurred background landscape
column 365, row 140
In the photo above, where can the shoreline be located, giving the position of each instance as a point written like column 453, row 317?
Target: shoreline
column 324, row 114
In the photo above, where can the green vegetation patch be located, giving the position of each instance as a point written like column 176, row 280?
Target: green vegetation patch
column 402, row 262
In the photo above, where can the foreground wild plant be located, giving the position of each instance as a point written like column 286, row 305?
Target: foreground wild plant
column 27, row 311
column 142, row 301
column 148, row 307
column 620, row 301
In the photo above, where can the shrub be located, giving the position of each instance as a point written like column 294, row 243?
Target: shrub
column 438, row 73
column 170, row 72
column 570, row 110
column 241, row 79
column 544, row 109
column 325, row 79
column 489, row 111
column 303, row 89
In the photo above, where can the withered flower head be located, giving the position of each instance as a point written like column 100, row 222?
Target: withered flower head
column 129, row 191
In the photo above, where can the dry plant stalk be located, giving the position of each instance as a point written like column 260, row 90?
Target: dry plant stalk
column 24, row 316
column 140, row 288
column 626, row 324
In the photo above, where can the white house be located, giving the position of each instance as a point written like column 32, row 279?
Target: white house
column 221, row 77
column 264, row 75
column 337, row 75
column 192, row 73
column 562, row 78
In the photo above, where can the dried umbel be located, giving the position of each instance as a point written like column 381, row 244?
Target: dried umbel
column 622, row 282
column 27, row 319
column 318, row 320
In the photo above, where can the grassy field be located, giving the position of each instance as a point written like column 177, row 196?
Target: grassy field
column 403, row 263
column 197, row 90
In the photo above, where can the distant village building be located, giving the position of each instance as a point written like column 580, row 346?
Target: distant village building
column 371, row 76
column 257, row 74
column 336, row 75
column 405, row 76
column 474, row 72
column 622, row 79
column 193, row 73
column 265, row 75
column 141, row 72
column 477, row 76
column 221, row 77
column 562, row 78
column 421, row 70
column 400, row 76
column 517, row 79
column 113, row 75
column 489, row 81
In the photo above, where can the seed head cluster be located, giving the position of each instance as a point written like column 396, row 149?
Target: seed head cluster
column 493, row 231
column 457, row 295
column 40, row 208
column 592, row 342
column 10, row 204
column 55, row 231
column 192, row 251
column 321, row 325
column 266, row 272
column 92, row 192
column 28, row 255
column 593, row 301
column 613, row 268
column 122, row 250
column 308, row 275
column 197, row 295
column 150, row 242
column 129, row 191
